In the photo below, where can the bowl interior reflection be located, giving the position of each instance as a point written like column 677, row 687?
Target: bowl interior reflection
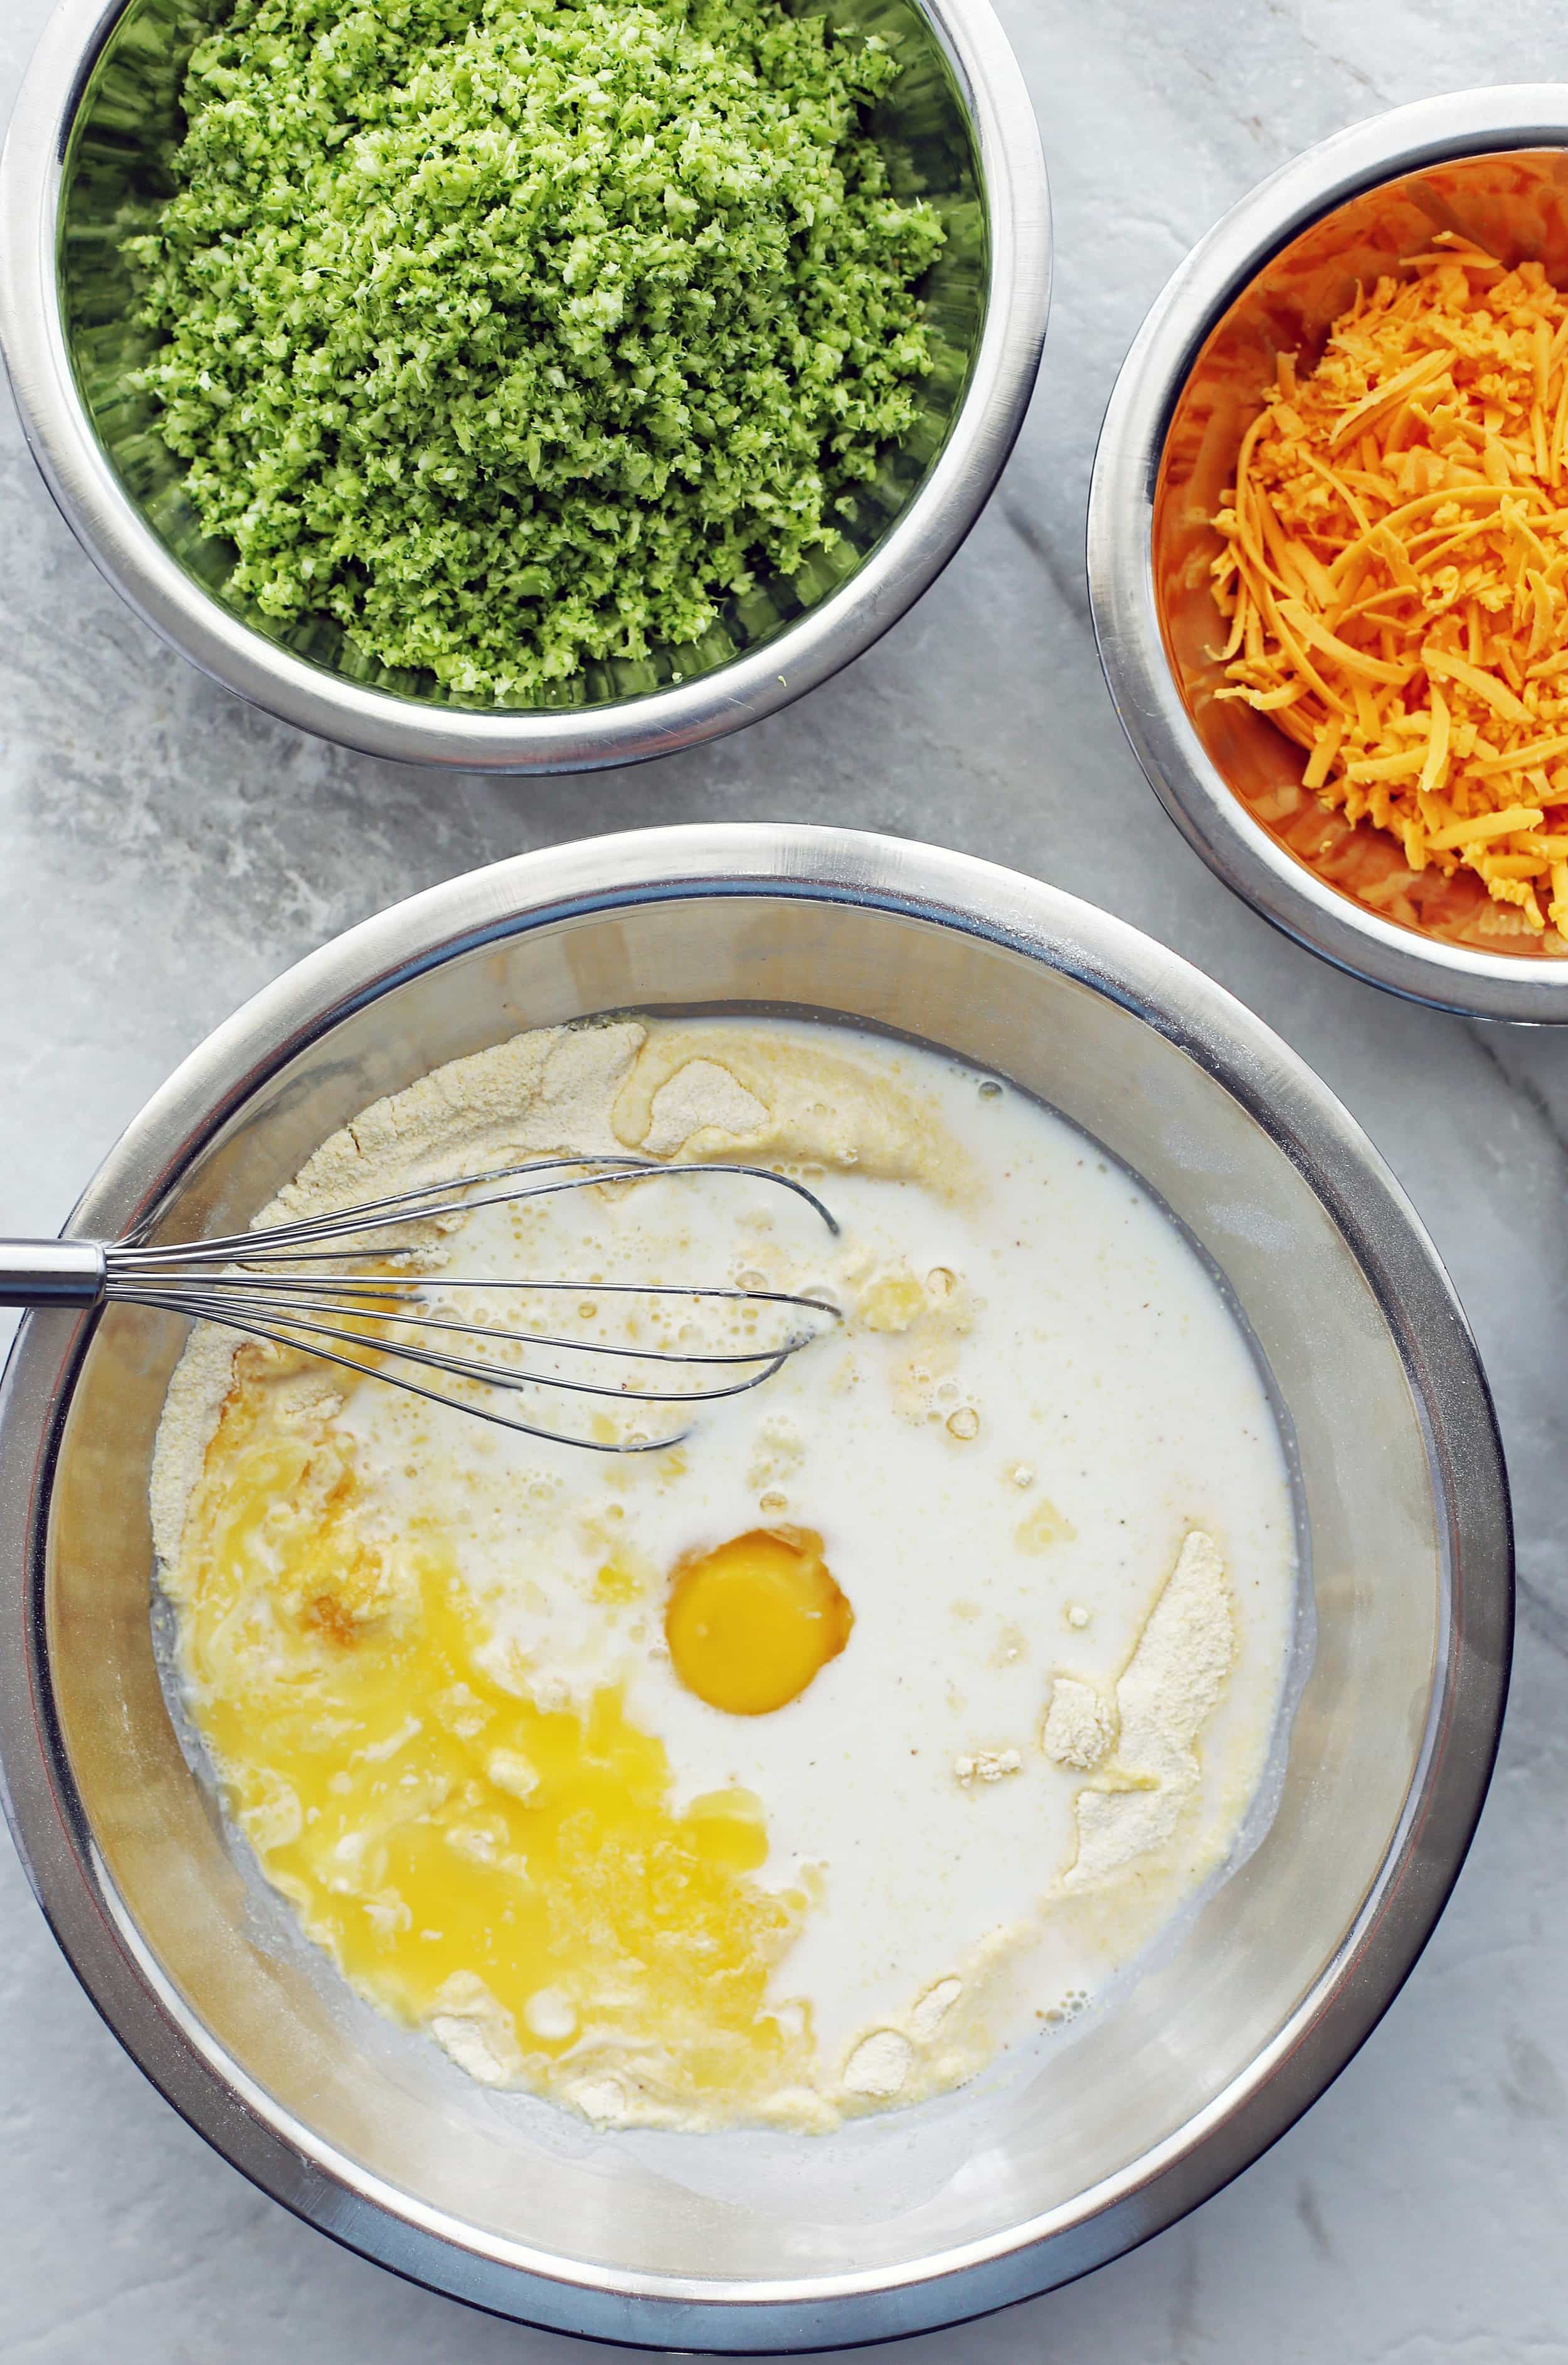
column 1515, row 205
column 116, row 174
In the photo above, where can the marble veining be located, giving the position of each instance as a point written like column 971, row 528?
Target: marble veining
column 164, row 851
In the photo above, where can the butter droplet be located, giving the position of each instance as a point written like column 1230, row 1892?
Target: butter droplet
column 1044, row 1527
column 964, row 1424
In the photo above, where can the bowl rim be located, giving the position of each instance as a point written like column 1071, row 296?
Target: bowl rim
column 897, row 569
column 1464, row 1710
column 1195, row 793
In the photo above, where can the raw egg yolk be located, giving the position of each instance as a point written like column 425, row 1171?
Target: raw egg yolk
column 751, row 1622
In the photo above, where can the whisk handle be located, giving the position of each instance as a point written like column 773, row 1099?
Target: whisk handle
column 37, row 1273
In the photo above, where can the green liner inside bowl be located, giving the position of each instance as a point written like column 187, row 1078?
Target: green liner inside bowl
column 116, row 176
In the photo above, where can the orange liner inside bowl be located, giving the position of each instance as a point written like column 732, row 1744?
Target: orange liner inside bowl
column 1516, row 206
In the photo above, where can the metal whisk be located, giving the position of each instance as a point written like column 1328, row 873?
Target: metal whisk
column 259, row 1283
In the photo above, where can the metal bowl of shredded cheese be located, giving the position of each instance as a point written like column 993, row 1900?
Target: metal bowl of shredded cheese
column 522, row 388
column 1329, row 550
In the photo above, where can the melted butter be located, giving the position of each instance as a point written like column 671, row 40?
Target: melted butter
column 426, row 1819
column 752, row 1623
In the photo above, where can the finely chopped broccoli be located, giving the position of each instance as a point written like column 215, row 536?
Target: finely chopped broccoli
column 515, row 334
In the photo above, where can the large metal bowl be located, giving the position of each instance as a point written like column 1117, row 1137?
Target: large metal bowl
column 741, row 2243
column 1275, row 273
column 83, row 164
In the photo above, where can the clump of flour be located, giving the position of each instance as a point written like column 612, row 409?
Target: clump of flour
column 1080, row 1726
column 1167, row 1691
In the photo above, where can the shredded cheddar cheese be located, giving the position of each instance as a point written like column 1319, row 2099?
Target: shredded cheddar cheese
column 1394, row 571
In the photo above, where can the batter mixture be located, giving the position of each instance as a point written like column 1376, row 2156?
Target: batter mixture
column 801, row 1769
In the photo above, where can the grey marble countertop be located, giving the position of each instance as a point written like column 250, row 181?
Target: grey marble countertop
column 164, row 851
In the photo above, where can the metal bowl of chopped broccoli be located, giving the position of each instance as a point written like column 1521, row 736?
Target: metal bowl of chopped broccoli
column 523, row 385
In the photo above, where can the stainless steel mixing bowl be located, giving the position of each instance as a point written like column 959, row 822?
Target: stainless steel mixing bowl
column 1274, row 274
column 84, row 164
column 740, row 2243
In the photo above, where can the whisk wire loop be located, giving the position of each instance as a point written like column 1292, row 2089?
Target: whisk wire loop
column 254, row 1283
column 425, row 1204
column 323, row 1354
column 279, row 1298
